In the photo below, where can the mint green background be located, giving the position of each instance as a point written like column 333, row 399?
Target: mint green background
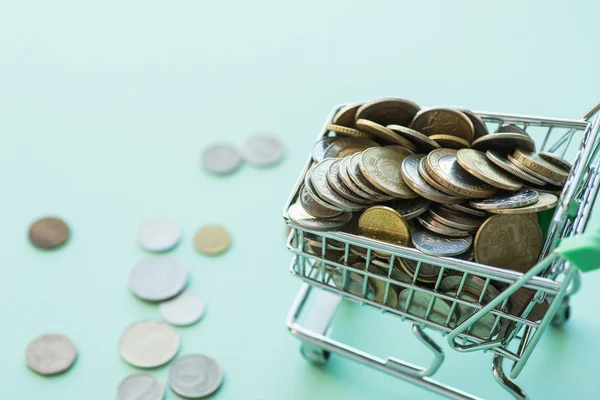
column 105, row 108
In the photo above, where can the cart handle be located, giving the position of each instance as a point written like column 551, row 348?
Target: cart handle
column 582, row 251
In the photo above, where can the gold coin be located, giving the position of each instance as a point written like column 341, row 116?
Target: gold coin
column 49, row 233
column 388, row 110
column 444, row 168
column 477, row 164
column 384, row 134
column 538, row 164
column 346, row 116
column 429, row 223
column 352, row 169
column 429, row 179
column 419, row 305
column 347, row 146
column 421, row 141
column 385, row 224
column 450, row 142
column 545, row 201
column 414, row 180
column 383, row 168
column 501, row 160
column 443, row 121
column 348, row 131
column 533, row 173
column 480, row 127
column 556, row 160
column 509, row 241
column 503, row 141
column 212, row 240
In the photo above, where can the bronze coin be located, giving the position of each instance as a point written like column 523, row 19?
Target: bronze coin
column 384, row 134
column 532, row 172
column 501, row 160
column 347, row 146
column 388, row 111
column 503, row 141
column 443, row 121
column 427, row 222
column 556, row 160
column 466, row 208
column 421, row 141
column 49, row 233
column 513, row 129
column 536, row 163
column 450, row 142
column 519, row 301
column 477, row 164
column 346, row 116
column 478, row 124
column 429, row 179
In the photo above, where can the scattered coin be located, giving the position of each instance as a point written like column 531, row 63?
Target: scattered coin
column 388, row 111
column 509, row 242
column 303, row 219
column 443, row 121
column 315, row 209
column 476, row 163
column 556, row 160
column 263, row 150
column 382, row 167
column 412, row 208
column 185, row 309
column 545, row 202
column 503, row 142
column 347, row 146
column 456, row 219
column 159, row 235
column 450, row 142
column 336, row 183
column 435, row 226
column 538, row 164
column 141, row 387
column 221, row 159
column 518, row 199
column 318, row 177
column 501, row 160
column 346, row 116
column 49, row 233
column 419, row 305
column 354, row 283
column 414, row 180
column 384, row 134
column 149, row 344
column 439, row 245
column 195, row 376
column 318, row 152
column 532, row 172
column 422, row 142
column 158, row 278
column 385, row 224
column 342, row 130
column 466, row 209
column 50, row 354
column 444, row 168
column 212, row 240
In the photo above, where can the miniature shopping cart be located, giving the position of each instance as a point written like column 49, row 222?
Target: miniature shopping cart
column 568, row 249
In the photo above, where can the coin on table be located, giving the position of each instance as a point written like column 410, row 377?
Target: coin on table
column 427, row 221
column 538, row 164
column 345, row 131
column 503, row 142
column 456, row 219
column 443, row 121
column 466, row 209
column 355, row 175
column 384, row 134
column 347, row 146
column 158, row 278
column 50, row 354
column 412, row 208
column 422, row 142
column 387, row 111
column 350, row 181
column 419, row 305
column 500, row 159
column 159, row 235
column 336, row 183
column 532, row 172
column 318, row 177
column 545, row 201
column 318, row 152
column 429, row 179
column 346, row 116
column 310, row 189
column 479, row 126
column 49, row 233
column 383, row 168
column 149, row 344
column 476, row 163
column 506, row 200
column 185, row 309
column 438, row 245
column 299, row 216
column 414, row 180
column 141, row 387
column 315, row 209
column 354, row 283
column 556, row 160
column 450, row 142
column 385, row 224
column 262, row 150
column 221, row 159
column 445, row 169
column 509, row 242
column 195, row 376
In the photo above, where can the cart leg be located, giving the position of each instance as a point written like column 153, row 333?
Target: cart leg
column 504, row 381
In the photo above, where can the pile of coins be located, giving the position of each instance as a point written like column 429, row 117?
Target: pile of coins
column 434, row 179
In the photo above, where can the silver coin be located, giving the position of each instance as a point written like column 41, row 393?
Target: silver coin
column 518, row 199
column 195, row 376
column 466, row 209
column 141, row 387
column 456, row 219
column 221, row 159
column 412, row 208
column 263, row 150
column 336, row 183
column 304, row 220
column 530, row 171
column 556, row 160
column 313, row 208
column 346, row 175
column 427, row 221
column 159, row 235
column 319, row 179
column 414, row 180
column 185, row 309
column 158, row 278
column 318, row 152
column 501, row 159
column 439, row 245
column 310, row 189
column 149, row 344
column 50, row 354
column 356, row 176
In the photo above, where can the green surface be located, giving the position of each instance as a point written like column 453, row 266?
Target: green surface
column 105, row 108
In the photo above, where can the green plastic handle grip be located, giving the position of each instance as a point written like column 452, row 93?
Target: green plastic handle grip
column 582, row 251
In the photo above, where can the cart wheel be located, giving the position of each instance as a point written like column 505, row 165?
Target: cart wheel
column 563, row 313
column 314, row 355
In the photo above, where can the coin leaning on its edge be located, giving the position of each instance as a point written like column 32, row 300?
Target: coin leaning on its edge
column 444, row 121
column 299, row 216
column 545, row 201
column 412, row 177
column 315, row 209
column 519, row 199
column 438, row 245
column 501, row 160
column 382, row 167
column 476, row 163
